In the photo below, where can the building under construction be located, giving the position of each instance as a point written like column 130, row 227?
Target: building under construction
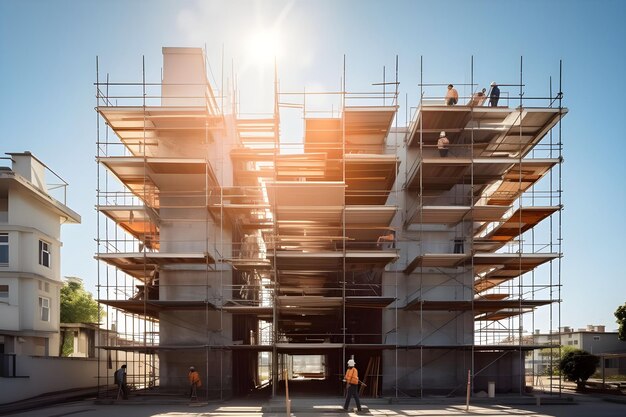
column 257, row 261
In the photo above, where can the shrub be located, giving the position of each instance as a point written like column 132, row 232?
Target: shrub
column 578, row 366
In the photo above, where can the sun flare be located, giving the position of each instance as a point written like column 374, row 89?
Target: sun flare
column 264, row 47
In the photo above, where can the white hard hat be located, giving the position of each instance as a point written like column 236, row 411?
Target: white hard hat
column 191, row 368
column 493, row 83
column 442, row 133
column 351, row 362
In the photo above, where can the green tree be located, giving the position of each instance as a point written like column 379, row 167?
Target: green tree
column 577, row 366
column 553, row 357
column 620, row 314
column 77, row 306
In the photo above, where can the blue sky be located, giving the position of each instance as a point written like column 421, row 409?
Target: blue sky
column 47, row 71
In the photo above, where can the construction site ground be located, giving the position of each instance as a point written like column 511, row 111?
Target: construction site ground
column 569, row 404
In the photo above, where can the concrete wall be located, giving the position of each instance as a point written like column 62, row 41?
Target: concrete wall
column 39, row 375
column 184, row 77
column 9, row 307
column 434, row 286
column 195, row 329
column 4, row 208
column 437, row 369
column 30, row 168
column 425, row 371
column 214, row 367
column 504, row 368
column 24, row 251
column 602, row 343
column 25, row 210
column 21, row 313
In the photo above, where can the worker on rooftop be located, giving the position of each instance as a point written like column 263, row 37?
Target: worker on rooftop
column 478, row 98
column 452, row 96
column 494, row 95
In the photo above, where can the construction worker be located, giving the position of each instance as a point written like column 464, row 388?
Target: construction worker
column 452, row 96
column 386, row 241
column 194, row 382
column 352, row 385
column 494, row 95
column 442, row 144
column 479, row 98
column 120, row 380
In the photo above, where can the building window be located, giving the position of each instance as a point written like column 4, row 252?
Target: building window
column 44, row 286
column 575, row 342
column 596, row 338
column 4, row 291
column 4, row 210
column 4, row 248
column 44, row 308
column 569, row 343
column 44, row 253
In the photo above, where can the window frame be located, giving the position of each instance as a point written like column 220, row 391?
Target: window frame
column 5, row 293
column 3, row 243
column 42, row 308
column 44, row 253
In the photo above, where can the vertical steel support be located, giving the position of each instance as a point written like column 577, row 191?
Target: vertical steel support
column 343, row 212
column 421, row 216
column 98, row 377
column 471, row 371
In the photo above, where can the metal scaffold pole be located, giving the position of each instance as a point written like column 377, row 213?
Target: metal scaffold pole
column 471, row 371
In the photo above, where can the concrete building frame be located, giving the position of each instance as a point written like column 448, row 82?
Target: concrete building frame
column 222, row 248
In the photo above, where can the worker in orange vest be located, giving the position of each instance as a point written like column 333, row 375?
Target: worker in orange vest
column 194, row 382
column 352, row 384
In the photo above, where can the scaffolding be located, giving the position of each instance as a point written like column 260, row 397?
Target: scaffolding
column 489, row 191
column 256, row 257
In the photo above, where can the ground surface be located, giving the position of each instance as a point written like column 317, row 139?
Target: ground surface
column 583, row 406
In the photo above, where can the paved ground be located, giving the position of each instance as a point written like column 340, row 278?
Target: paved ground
column 583, row 406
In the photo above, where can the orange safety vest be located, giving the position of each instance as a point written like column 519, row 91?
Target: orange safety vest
column 352, row 376
column 194, row 378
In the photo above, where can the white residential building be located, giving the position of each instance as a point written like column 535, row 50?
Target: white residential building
column 30, row 246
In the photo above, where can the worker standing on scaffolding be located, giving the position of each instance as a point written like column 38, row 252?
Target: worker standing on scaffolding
column 442, row 144
column 494, row 95
column 452, row 96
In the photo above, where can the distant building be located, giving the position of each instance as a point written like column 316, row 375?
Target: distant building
column 83, row 337
column 30, row 243
column 593, row 339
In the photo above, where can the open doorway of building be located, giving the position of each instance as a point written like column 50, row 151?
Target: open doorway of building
column 306, row 367
column 307, row 374
column 264, row 369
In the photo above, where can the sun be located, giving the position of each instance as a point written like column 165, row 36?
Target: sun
column 264, row 47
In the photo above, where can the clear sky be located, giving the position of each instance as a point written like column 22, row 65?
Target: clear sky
column 48, row 52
